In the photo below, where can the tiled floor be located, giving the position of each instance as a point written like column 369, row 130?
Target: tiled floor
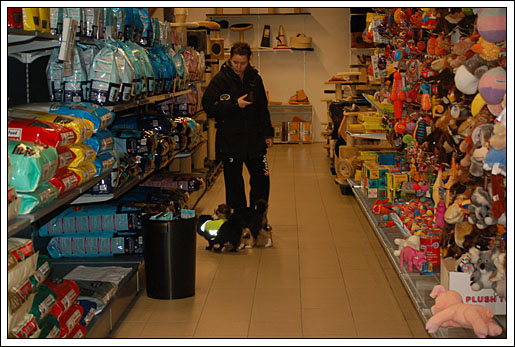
column 326, row 276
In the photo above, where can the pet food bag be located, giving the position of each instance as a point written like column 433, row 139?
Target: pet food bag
column 56, row 20
column 43, row 302
column 33, row 164
column 89, row 308
column 65, row 157
column 77, row 333
column 67, row 292
column 104, row 78
column 135, row 142
column 64, row 181
column 99, row 292
column 83, row 153
column 31, row 20
column 49, row 327
column 127, row 72
column 101, row 117
column 43, row 268
column 141, row 55
column 95, row 245
column 104, row 162
column 86, row 171
column 160, row 124
column 69, row 319
column 14, row 17
column 43, row 195
column 85, row 219
column 40, row 132
column 54, row 75
column 138, row 78
column 101, row 141
column 74, row 86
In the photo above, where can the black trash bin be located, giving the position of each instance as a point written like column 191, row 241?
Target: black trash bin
column 170, row 257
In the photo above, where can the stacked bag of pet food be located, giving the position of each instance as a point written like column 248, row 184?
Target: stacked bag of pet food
column 56, row 147
column 38, row 307
column 445, row 72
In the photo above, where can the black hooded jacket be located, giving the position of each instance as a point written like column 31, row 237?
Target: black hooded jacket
column 241, row 132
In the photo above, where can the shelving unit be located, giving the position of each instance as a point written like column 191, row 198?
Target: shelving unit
column 27, row 47
column 418, row 286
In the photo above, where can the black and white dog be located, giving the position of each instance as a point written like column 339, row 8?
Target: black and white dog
column 240, row 224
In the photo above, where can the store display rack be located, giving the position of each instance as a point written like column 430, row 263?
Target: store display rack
column 418, row 286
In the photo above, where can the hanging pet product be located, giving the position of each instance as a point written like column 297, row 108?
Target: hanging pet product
column 241, row 28
column 281, row 39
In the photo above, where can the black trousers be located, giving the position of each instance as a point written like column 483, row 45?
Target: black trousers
column 235, row 185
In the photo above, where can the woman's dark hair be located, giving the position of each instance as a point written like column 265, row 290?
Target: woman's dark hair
column 241, row 48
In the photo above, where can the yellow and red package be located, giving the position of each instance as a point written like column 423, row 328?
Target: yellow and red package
column 83, row 128
column 65, row 157
column 40, row 132
column 67, row 292
column 65, row 180
column 83, row 153
column 86, row 171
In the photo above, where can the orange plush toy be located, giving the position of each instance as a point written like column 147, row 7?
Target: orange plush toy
column 450, row 311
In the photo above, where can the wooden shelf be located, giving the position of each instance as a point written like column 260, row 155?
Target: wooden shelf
column 214, row 15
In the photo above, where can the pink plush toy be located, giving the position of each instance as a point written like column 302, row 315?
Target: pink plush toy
column 412, row 257
column 450, row 311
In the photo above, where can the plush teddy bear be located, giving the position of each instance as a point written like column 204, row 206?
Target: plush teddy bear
column 480, row 278
column 413, row 241
column 450, row 311
column 495, row 159
column 480, row 209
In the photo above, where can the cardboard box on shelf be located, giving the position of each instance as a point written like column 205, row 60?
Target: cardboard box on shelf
column 294, row 132
column 460, row 282
column 306, row 132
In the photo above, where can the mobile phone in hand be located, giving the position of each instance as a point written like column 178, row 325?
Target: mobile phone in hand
column 249, row 97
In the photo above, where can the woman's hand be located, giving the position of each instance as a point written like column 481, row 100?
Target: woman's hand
column 269, row 142
column 243, row 103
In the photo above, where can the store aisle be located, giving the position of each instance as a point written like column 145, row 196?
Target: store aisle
column 327, row 275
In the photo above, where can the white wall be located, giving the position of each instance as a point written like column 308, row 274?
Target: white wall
column 286, row 72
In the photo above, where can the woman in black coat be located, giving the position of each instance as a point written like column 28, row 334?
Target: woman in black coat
column 236, row 98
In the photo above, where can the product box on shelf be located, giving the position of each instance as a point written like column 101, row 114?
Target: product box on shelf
column 278, row 131
column 375, row 171
column 306, row 132
column 432, row 246
column 294, row 132
column 460, row 282
column 394, row 182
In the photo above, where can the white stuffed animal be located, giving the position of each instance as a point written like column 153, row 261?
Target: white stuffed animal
column 413, row 241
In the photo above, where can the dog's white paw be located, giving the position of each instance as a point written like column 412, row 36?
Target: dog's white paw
column 248, row 246
column 269, row 243
column 242, row 246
